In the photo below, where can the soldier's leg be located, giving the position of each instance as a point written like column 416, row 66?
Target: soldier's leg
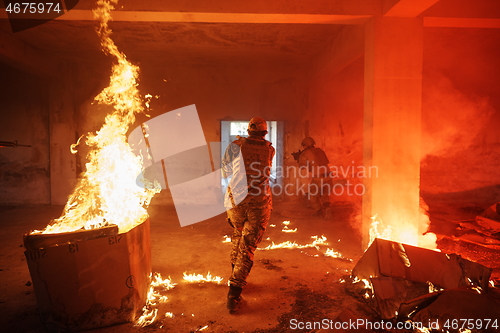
column 327, row 185
column 237, row 218
column 252, row 233
column 257, row 217
column 315, row 189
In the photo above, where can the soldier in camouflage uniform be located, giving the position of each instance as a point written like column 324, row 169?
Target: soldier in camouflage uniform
column 316, row 162
column 248, row 201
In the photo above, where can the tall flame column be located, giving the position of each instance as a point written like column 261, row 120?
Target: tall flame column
column 392, row 125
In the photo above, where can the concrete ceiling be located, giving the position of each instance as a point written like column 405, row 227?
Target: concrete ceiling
column 200, row 30
column 77, row 41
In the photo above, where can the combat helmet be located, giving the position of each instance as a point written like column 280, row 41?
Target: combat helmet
column 308, row 142
column 257, row 124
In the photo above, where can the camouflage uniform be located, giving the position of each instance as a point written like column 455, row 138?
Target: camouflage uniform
column 247, row 213
column 316, row 162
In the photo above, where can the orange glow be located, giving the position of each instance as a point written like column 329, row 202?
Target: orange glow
column 108, row 193
column 402, row 233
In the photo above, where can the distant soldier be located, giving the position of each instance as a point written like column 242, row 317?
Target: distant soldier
column 316, row 162
column 248, row 201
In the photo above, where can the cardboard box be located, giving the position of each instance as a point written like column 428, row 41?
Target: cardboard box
column 400, row 273
column 392, row 259
column 91, row 283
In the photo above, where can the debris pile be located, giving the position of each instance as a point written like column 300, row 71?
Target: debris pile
column 477, row 240
column 404, row 283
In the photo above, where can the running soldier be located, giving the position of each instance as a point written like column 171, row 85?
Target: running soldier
column 248, row 201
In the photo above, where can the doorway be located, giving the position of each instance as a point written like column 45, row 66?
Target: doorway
column 230, row 129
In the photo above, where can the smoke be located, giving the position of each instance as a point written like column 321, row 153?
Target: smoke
column 451, row 119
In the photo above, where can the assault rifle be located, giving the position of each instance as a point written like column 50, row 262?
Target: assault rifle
column 14, row 144
column 296, row 155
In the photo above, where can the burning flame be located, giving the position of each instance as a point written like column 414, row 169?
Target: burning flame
column 285, row 227
column 149, row 311
column 293, row 245
column 367, row 287
column 374, row 230
column 197, row 278
column 334, row 254
column 403, row 234
column 433, row 288
column 108, row 193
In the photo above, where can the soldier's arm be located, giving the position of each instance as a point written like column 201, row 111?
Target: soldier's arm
column 304, row 159
column 226, row 163
column 232, row 152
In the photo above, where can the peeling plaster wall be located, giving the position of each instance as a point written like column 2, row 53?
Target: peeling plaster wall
column 44, row 113
column 334, row 118
column 461, row 113
column 226, row 91
column 24, row 172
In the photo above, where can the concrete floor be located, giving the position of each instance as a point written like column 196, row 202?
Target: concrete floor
column 284, row 283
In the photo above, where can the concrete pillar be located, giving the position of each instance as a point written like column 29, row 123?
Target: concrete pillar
column 62, row 135
column 393, row 98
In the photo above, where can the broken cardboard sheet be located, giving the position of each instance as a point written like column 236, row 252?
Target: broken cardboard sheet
column 490, row 219
column 480, row 253
column 392, row 259
column 390, row 292
column 480, row 239
column 34, row 242
column 477, row 233
column 87, row 284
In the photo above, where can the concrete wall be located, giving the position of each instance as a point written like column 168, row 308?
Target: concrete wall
column 52, row 115
column 24, row 114
column 220, row 90
column 460, row 114
column 44, row 113
column 334, row 116
column 226, row 91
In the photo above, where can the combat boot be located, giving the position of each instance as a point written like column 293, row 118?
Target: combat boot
column 234, row 299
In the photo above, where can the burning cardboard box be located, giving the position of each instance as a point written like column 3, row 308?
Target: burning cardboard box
column 85, row 273
column 398, row 272
column 388, row 258
column 92, row 278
